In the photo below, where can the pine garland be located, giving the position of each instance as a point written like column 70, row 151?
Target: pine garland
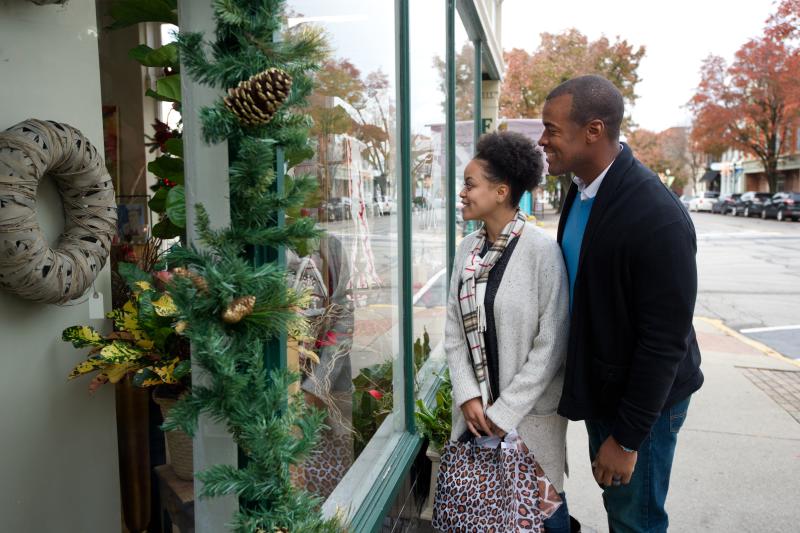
column 229, row 308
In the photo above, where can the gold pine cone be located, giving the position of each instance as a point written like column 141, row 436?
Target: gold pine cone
column 238, row 309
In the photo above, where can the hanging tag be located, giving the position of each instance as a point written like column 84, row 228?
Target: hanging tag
column 96, row 311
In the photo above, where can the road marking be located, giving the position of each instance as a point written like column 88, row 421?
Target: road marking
column 773, row 328
column 763, row 348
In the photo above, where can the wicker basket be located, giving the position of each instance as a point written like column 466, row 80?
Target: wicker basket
column 179, row 444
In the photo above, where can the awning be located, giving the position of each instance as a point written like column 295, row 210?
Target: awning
column 709, row 176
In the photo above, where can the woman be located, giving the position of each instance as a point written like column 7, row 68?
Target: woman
column 510, row 282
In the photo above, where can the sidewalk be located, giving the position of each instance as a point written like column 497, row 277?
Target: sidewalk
column 737, row 464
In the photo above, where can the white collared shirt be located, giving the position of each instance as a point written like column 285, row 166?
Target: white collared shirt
column 590, row 191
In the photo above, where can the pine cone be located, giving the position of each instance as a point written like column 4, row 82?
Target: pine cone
column 238, row 309
column 254, row 101
column 199, row 281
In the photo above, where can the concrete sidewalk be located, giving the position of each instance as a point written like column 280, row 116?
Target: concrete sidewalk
column 737, row 464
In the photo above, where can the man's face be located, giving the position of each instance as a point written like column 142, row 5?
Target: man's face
column 563, row 141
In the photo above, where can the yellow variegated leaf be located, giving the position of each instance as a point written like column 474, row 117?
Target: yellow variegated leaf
column 117, row 372
column 144, row 343
column 81, row 336
column 144, row 285
column 121, row 352
column 166, row 372
column 164, row 306
column 91, row 364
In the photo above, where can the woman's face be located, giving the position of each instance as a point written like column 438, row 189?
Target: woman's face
column 479, row 196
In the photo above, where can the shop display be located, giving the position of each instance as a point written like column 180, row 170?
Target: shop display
column 29, row 267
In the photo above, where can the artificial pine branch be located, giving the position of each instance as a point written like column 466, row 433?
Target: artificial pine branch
column 234, row 386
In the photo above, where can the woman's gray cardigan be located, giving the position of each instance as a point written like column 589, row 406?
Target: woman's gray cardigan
column 531, row 320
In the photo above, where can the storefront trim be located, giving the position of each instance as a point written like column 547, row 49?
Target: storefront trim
column 451, row 137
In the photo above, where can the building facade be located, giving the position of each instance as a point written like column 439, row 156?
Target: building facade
column 427, row 72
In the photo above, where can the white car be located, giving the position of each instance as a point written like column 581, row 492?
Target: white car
column 704, row 202
column 384, row 206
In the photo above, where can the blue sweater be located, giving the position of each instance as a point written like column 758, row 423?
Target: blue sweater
column 573, row 237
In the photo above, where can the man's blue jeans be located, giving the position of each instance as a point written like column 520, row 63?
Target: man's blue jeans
column 639, row 506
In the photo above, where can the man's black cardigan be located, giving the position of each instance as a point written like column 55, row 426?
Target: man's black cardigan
column 632, row 347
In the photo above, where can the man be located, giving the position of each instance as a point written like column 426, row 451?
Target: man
column 629, row 247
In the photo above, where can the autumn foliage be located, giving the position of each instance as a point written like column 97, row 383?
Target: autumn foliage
column 753, row 104
column 529, row 77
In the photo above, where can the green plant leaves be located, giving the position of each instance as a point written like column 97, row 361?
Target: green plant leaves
column 174, row 147
column 129, row 12
column 176, row 206
column 164, row 56
column 167, row 167
column 165, row 229
column 158, row 203
column 168, row 89
column 132, row 274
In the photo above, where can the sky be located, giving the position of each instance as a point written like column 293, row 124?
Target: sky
column 677, row 36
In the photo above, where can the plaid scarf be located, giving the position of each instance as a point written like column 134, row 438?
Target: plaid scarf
column 473, row 292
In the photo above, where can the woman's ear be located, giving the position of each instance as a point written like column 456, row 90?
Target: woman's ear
column 502, row 193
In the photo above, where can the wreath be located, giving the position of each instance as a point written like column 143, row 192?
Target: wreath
column 29, row 267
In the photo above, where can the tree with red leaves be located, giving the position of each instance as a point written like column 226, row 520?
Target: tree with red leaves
column 530, row 77
column 754, row 103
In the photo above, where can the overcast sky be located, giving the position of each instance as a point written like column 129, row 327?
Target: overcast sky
column 677, row 34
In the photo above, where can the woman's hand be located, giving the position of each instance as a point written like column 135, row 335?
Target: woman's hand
column 476, row 420
column 496, row 430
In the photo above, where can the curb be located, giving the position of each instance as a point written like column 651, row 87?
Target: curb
column 763, row 348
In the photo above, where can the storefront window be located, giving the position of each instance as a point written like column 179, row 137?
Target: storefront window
column 428, row 174
column 465, row 113
column 348, row 362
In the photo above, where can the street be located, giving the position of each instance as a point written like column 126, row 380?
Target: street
column 749, row 277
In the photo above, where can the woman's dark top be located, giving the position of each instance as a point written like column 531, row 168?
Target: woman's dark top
column 490, row 337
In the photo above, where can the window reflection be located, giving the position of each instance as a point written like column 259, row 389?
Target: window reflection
column 428, row 174
column 347, row 359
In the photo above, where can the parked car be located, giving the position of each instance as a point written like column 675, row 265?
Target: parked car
column 686, row 198
column 704, row 202
column 725, row 204
column 782, row 206
column 750, row 203
column 337, row 208
column 384, row 205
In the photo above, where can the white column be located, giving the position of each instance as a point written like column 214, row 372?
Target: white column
column 206, row 171
column 490, row 103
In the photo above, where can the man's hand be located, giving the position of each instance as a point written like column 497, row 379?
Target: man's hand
column 613, row 465
column 476, row 420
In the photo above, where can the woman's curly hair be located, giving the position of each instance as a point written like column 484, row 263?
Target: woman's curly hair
column 511, row 158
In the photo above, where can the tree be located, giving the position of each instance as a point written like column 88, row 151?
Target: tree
column 754, row 103
column 465, row 81
column 367, row 113
column 666, row 153
column 530, row 77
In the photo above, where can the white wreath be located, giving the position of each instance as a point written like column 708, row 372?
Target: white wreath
column 28, row 266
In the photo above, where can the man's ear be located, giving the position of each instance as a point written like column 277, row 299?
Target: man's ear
column 595, row 130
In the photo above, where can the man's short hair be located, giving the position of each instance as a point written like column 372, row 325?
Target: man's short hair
column 593, row 98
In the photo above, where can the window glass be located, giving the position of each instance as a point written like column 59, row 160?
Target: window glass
column 428, row 173
column 347, row 361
